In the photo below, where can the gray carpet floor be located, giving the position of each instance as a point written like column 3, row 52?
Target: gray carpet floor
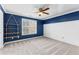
column 39, row 46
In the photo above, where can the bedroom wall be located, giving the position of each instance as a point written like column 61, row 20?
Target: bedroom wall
column 19, row 21
column 63, row 28
column 1, row 28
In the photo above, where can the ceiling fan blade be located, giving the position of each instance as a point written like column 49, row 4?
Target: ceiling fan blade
column 45, row 9
column 45, row 13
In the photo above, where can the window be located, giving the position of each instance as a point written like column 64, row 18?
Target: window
column 29, row 26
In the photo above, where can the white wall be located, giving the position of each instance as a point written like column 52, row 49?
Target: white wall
column 64, row 31
column 1, row 29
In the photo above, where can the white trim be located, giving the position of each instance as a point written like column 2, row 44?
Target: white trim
column 1, row 29
column 21, row 40
column 63, row 13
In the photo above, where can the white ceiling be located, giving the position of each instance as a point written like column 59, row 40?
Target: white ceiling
column 29, row 10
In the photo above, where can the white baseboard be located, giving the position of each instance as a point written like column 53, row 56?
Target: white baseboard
column 1, row 45
column 20, row 40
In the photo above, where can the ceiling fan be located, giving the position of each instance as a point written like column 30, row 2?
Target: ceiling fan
column 43, row 11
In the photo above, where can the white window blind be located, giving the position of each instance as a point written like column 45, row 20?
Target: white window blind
column 29, row 26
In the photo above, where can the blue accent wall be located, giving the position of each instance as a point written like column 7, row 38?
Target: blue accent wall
column 64, row 18
column 10, row 19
